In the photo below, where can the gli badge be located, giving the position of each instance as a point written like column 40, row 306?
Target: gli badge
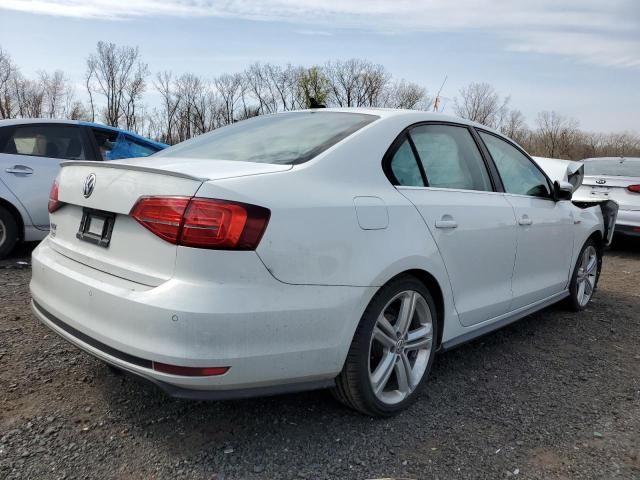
column 89, row 185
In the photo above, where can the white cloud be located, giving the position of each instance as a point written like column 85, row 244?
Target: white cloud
column 593, row 31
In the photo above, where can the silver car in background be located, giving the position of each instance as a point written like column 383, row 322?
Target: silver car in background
column 617, row 179
column 30, row 154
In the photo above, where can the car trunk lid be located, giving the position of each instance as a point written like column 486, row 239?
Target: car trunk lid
column 614, row 188
column 131, row 251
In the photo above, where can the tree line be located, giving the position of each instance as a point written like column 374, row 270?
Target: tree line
column 117, row 79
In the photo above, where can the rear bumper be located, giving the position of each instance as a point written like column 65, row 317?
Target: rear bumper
column 273, row 336
column 628, row 223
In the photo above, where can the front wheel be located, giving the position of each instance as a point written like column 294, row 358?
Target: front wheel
column 585, row 276
column 392, row 350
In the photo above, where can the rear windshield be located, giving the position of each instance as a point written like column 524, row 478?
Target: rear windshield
column 288, row 138
column 616, row 167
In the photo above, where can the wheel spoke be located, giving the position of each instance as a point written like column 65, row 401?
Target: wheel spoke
column 407, row 308
column 403, row 372
column 386, row 327
column 591, row 267
column 581, row 290
column 380, row 376
column 419, row 338
column 382, row 337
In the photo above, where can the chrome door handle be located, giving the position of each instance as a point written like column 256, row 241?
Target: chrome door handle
column 20, row 170
column 446, row 223
column 525, row 220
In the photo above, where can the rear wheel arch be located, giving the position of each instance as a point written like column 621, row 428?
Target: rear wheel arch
column 432, row 284
column 15, row 213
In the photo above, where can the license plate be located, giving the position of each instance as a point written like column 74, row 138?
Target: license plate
column 96, row 227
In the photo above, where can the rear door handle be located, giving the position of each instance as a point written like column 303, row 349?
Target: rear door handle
column 525, row 220
column 19, row 170
column 447, row 221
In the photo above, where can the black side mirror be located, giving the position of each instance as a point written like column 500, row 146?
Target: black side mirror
column 562, row 191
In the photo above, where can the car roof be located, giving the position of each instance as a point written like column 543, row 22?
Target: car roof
column 30, row 121
column 412, row 116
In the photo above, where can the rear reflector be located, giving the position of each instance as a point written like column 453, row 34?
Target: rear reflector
column 189, row 371
column 634, row 188
column 203, row 222
column 54, row 203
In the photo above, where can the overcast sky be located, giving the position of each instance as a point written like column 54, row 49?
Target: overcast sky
column 580, row 57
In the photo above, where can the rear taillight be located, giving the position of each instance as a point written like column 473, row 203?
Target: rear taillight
column 634, row 188
column 203, row 222
column 54, row 203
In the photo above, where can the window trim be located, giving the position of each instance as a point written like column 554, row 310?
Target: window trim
column 11, row 129
column 494, row 178
column 521, row 150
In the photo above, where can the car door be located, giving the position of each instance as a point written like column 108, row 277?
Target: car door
column 31, row 159
column 440, row 169
column 545, row 226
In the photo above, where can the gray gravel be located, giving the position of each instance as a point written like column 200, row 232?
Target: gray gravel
column 556, row 395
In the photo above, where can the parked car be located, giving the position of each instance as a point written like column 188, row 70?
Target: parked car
column 618, row 179
column 327, row 248
column 30, row 154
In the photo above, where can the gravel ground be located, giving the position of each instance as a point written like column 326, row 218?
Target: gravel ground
column 556, row 395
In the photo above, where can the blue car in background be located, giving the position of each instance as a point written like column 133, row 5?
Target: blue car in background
column 30, row 155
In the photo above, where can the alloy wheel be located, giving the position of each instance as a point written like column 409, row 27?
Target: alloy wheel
column 400, row 347
column 587, row 273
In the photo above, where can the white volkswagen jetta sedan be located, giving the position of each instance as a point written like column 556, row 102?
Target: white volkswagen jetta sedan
column 326, row 248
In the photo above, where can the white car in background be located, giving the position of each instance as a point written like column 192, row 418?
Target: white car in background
column 327, row 248
column 617, row 179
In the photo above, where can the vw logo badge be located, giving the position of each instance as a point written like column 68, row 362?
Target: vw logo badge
column 89, row 185
column 601, row 181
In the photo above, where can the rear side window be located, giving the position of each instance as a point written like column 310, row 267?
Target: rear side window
column 450, row 157
column 289, row 138
column 519, row 174
column 405, row 167
column 54, row 141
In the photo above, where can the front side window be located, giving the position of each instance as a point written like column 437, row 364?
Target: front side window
column 54, row 141
column 289, row 138
column 519, row 174
column 450, row 157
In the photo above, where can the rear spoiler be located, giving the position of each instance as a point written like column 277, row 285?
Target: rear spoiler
column 138, row 168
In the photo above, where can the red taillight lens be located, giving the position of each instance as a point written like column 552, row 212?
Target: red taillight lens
column 634, row 188
column 203, row 222
column 189, row 371
column 54, row 203
column 161, row 215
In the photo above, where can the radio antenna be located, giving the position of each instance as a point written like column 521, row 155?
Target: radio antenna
column 436, row 102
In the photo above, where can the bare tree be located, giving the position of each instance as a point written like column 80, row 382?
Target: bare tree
column 481, row 103
column 7, row 73
column 407, row 95
column 230, row 88
column 514, row 126
column 555, row 133
column 29, row 96
column 356, row 83
column 117, row 74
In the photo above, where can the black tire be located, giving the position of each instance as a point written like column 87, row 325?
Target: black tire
column 353, row 387
column 8, row 232
column 572, row 301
